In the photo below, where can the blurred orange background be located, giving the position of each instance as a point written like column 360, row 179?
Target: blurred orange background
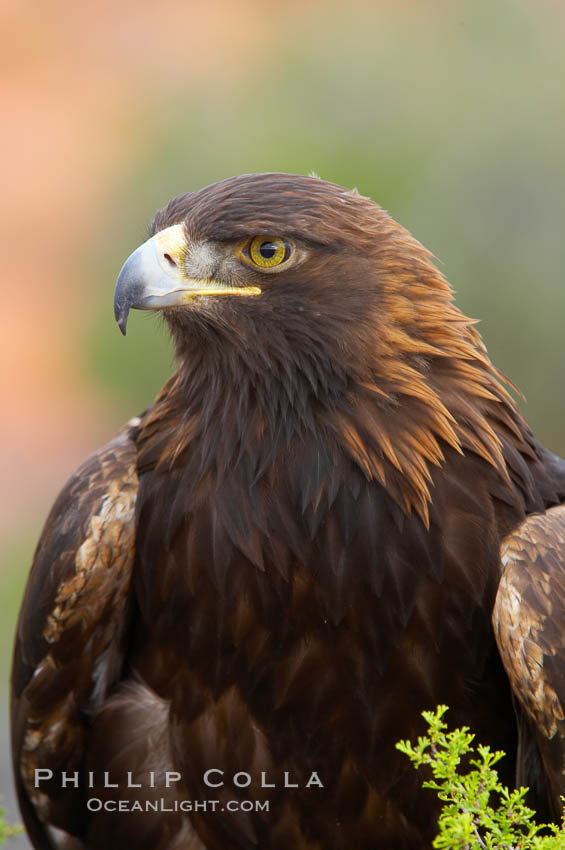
column 86, row 85
column 450, row 113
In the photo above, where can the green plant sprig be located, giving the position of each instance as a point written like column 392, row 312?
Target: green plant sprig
column 479, row 812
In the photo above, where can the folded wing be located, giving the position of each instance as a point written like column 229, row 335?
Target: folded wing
column 69, row 650
column 529, row 624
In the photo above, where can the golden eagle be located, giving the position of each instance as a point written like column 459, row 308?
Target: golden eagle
column 240, row 604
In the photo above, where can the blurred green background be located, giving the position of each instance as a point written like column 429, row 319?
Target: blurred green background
column 450, row 114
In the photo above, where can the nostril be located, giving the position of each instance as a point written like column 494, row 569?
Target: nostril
column 170, row 260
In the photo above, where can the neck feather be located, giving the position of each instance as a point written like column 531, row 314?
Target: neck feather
column 419, row 383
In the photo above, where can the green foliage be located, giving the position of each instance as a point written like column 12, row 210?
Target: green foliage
column 479, row 812
column 7, row 830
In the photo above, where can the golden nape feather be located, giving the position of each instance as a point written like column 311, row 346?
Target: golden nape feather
column 241, row 604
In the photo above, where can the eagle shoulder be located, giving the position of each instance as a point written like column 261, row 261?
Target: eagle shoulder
column 70, row 639
column 529, row 625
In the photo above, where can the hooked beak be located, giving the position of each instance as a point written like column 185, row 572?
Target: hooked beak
column 155, row 276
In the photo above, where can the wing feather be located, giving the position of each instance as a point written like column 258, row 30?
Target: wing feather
column 529, row 624
column 69, row 648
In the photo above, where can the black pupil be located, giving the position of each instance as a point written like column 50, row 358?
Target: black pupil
column 267, row 250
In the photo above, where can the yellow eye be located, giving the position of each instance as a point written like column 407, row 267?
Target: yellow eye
column 266, row 252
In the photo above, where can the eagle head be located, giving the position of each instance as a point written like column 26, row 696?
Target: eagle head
column 290, row 259
column 305, row 291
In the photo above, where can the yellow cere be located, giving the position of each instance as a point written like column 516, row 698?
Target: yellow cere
column 171, row 242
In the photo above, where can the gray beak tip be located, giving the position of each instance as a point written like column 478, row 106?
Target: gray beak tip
column 121, row 313
column 144, row 283
column 126, row 293
column 122, row 322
